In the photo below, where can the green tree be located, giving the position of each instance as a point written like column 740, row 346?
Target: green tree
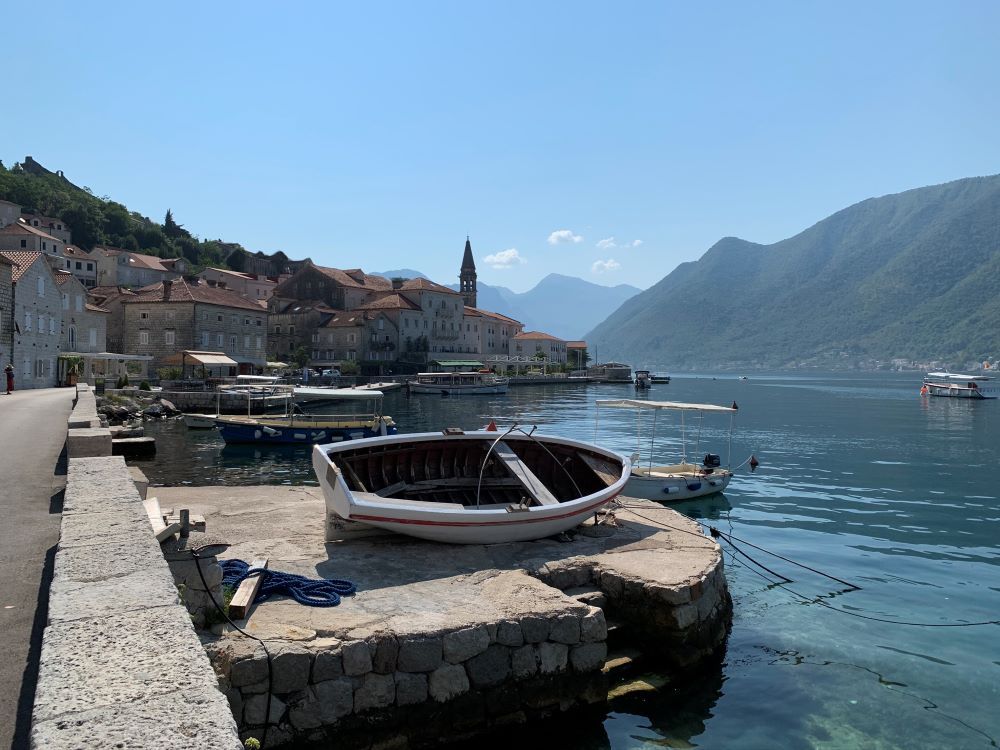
column 300, row 356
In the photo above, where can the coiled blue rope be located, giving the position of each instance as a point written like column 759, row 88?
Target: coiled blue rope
column 312, row 592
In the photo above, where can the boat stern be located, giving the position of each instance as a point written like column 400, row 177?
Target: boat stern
column 335, row 492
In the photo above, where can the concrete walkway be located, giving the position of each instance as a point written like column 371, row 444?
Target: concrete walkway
column 32, row 478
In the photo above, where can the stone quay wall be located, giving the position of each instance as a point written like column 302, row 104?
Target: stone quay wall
column 87, row 435
column 121, row 664
column 416, row 689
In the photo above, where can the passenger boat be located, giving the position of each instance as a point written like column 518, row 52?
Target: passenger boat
column 458, row 383
column 296, row 427
column 680, row 481
column 659, row 377
column 643, row 380
column 481, row 487
column 953, row 385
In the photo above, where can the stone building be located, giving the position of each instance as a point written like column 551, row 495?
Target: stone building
column 49, row 225
column 9, row 213
column 6, row 311
column 336, row 288
column 185, row 314
column 495, row 332
column 84, row 324
column 81, row 265
column 467, row 276
column 37, row 319
column 249, row 285
column 118, row 267
column 534, row 343
column 294, row 324
column 20, row 236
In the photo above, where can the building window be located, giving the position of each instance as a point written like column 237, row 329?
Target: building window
column 79, row 265
column 258, row 342
column 41, row 323
column 277, row 330
column 258, row 322
column 41, row 287
column 27, row 321
column 65, row 301
column 52, row 326
column 246, row 321
column 220, row 318
column 218, row 340
column 204, row 338
column 170, row 316
column 381, row 324
column 93, row 338
column 291, row 330
column 168, row 338
column 90, row 266
column 144, row 316
column 72, row 337
column 24, row 243
column 44, row 245
column 144, row 337
column 79, row 303
column 232, row 343
column 246, row 343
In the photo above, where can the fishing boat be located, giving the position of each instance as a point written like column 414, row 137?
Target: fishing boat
column 643, row 380
column 680, row 481
column 480, row 487
column 659, row 377
column 458, row 383
column 954, row 385
column 200, row 421
column 296, row 427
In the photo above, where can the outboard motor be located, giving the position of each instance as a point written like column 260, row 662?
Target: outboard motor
column 712, row 461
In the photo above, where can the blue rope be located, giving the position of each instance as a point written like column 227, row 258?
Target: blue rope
column 312, row 592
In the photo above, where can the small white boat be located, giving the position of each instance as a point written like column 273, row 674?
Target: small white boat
column 458, row 383
column 643, row 380
column 481, row 487
column 673, row 482
column 954, row 385
column 200, row 421
column 318, row 393
column 386, row 386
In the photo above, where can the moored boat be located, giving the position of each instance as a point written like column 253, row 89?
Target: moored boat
column 659, row 377
column 680, row 481
column 479, row 487
column 458, row 383
column 643, row 380
column 296, row 427
column 954, row 385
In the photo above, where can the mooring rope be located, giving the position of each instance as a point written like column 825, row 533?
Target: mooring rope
column 312, row 592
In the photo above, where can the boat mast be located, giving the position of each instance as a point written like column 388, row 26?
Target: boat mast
column 652, row 441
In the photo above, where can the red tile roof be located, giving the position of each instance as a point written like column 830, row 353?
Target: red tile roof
column 393, row 301
column 536, row 336
column 183, row 291
column 576, row 344
column 152, row 262
column 75, row 251
column 22, row 260
column 426, row 285
column 25, row 229
column 94, row 308
column 496, row 316
column 345, row 320
column 355, row 278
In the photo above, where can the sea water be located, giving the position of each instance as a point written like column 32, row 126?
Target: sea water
column 860, row 478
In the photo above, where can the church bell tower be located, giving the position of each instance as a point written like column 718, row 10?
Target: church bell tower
column 467, row 276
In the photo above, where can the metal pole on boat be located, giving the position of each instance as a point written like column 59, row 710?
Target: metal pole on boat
column 652, row 441
column 684, row 443
column 597, row 420
column 729, row 458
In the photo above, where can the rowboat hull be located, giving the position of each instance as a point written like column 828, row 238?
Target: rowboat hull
column 299, row 431
column 509, row 504
column 458, row 390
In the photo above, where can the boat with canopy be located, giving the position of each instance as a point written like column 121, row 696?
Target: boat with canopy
column 954, row 385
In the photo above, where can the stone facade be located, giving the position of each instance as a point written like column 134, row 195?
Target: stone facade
column 84, row 325
column 81, row 265
column 530, row 343
column 37, row 319
column 119, row 267
column 6, row 311
column 249, row 285
column 9, row 213
column 21, row 237
column 49, row 225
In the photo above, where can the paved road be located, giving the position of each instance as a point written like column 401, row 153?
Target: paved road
column 32, row 478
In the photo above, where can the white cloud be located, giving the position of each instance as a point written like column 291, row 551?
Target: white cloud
column 606, row 244
column 604, row 266
column 564, row 235
column 636, row 243
column 504, row 259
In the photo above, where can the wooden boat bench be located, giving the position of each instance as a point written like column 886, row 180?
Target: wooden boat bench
column 519, row 469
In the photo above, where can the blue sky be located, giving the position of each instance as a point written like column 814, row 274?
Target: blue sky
column 607, row 141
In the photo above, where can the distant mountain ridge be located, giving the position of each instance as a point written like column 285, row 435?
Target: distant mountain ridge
column 914, row 275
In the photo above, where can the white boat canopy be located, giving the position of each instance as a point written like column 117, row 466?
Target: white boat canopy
column 676, row 405
column 955, row 376
column 339, row 393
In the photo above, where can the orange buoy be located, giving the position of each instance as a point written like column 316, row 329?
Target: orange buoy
column 924, row 390
column 491, row 427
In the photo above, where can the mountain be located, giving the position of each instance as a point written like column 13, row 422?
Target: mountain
column 400, row 273
column 566, row 306
column 915, row 275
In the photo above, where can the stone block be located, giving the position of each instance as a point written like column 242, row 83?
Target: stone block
column 588, row 657
column 145, row 589
column 116, row 659
column 84, row 442
column 290, row 665
column 116, row 528
column 565, row 629
column 463, row 644
column 89, row 563
column 524, row 661
column 684, row 616
column 327, row 665
column 249, row 670
column 509, row 633
column 376, row 691
column 235, row 698
column 411, row 689
column 303, row 715
column 490, row 667
column 184, row 719
column 552, row 657
column 535, row 629
column 707, row 602
column 334, row 699
column 385, row 650
column 672, row 595
column 255, row 706
column 357, row 658
column 419, row 655
column 447, row 682
column 593, row 626
column 140, row 481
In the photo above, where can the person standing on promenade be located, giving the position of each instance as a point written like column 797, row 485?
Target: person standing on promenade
column 9, row 372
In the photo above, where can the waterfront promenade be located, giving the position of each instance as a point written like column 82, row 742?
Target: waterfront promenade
column 32, row 478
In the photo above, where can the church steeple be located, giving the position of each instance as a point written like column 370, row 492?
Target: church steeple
column 467, row 276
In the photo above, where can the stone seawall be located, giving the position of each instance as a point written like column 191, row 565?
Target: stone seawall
column 121, row 664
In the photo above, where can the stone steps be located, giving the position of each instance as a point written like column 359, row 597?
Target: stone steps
column 590, row 595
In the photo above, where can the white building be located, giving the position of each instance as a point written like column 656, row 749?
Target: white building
column 37, row 320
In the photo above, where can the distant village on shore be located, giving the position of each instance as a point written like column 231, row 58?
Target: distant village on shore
column 111, row 312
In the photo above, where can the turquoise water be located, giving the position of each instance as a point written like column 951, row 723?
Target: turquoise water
column 860, row 478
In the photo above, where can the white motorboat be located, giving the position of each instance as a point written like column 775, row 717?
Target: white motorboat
column 200, row 421
column 643, row 380
column 954, row 385
column 680, row 481
column 458, row 383
column 481, row 487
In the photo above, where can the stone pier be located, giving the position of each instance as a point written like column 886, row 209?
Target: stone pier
column 443, row 641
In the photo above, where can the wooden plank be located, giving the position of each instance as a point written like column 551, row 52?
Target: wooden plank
column 390, row 489
column 197, row 522
column 603, row 469
column 519, row 469
column 244, row 596
column 167, row 531
column 155, row 515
